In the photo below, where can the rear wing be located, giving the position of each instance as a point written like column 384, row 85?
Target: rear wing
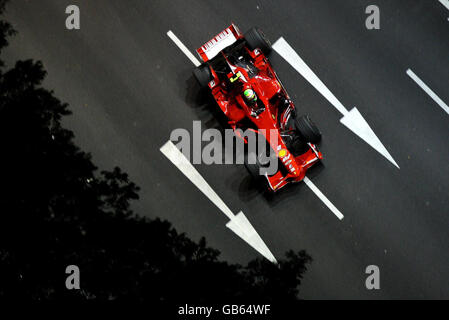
column 221, row 41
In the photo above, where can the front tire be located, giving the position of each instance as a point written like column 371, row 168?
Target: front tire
column 307, row 129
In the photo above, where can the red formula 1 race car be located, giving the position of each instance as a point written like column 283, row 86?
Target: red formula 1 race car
column 250, row 94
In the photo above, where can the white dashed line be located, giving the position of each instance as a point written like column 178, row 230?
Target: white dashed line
column 323, row 198
column 183, row 48
column 427, row 90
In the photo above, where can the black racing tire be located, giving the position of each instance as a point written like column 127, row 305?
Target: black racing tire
column 307, row 129
column 252, row 165
column 297, row 146
column 256, row 39
column 203, row 75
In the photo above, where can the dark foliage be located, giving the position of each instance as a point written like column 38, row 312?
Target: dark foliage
column 57, row 210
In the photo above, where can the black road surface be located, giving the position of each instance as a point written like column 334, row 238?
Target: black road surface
column 129, row 86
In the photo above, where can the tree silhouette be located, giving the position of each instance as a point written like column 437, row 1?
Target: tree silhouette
column 56, row 209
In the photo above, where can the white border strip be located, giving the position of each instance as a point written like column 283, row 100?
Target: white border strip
column 429, row 91
column 323, row 198
column 183, row 48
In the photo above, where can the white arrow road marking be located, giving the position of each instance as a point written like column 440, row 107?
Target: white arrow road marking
column 445, row 3
column 353, row 120
column 427, row 90
column 183, row 48
column 239, row 224
column 323, row 198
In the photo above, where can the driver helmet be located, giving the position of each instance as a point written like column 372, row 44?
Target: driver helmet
column 250, row 95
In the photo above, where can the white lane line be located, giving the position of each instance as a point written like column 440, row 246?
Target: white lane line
column 183, row 48
column 427, row 90
column 239, row 224
column 323, row 198
column 445, row 3
column 352, row 119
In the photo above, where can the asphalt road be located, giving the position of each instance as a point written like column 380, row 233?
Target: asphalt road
column 129, row 86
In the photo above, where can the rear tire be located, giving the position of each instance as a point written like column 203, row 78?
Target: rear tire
column 252, row 165
column 203, row 75
column 256, row 39
column 307, row 129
